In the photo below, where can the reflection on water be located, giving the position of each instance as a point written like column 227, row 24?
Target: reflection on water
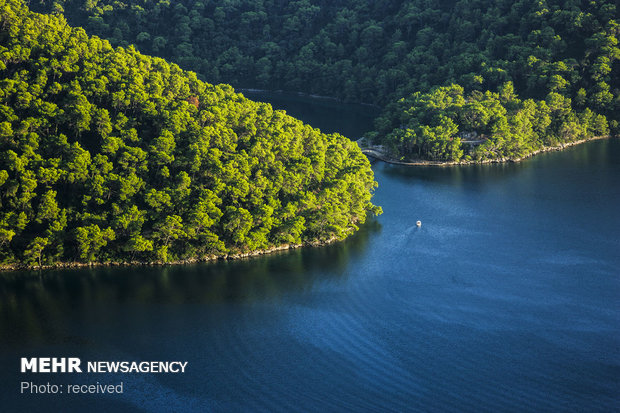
column 571, row 159
column 28, row 300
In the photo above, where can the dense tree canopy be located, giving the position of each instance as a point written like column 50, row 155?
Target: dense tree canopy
column 108, row 154
column 383, row 51
column 448, row 125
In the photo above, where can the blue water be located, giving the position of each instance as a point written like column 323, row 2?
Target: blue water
column 507, row 298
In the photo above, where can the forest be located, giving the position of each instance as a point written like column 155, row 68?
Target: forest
column 110, row 155
column 559, row 58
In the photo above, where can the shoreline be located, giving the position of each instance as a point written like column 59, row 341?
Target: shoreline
column 208, row 258
column 381, row 156
column 370, row 152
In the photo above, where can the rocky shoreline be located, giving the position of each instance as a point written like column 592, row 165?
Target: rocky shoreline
column 377, row 153
column 208, row 258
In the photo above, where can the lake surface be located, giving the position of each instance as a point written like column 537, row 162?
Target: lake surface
column 506, row 299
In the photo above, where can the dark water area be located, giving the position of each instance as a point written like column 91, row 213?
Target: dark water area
column 327, row 114
column 507, row 298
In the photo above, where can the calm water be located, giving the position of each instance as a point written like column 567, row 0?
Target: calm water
column 327, row 114
column 506, row 299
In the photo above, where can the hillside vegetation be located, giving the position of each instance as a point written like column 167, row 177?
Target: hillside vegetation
column 111, row 155
column 559, row 58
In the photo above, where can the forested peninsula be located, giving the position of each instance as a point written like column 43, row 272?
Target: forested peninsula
column 109, row 155
column 459, row 80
